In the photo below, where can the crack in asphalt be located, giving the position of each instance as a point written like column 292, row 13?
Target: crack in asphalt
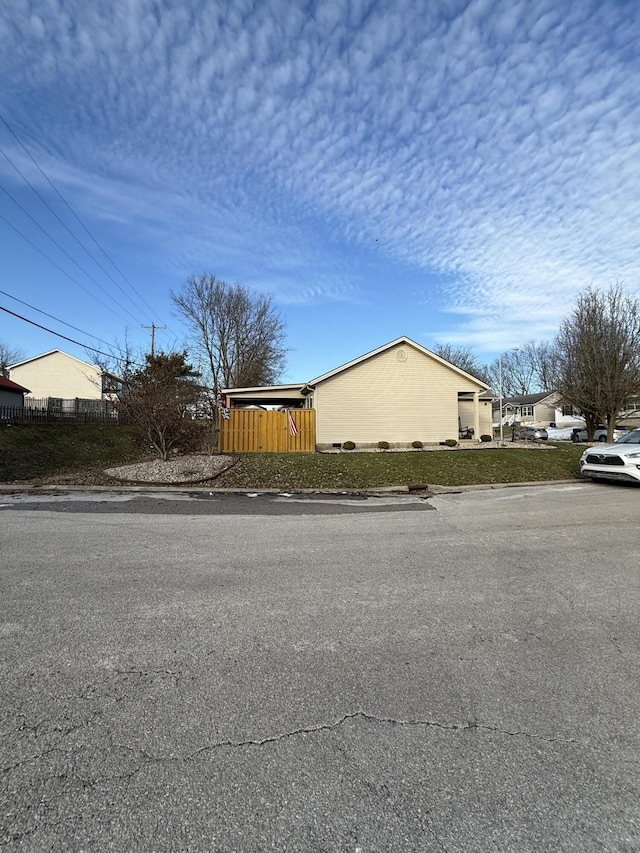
column 141, row 759
column 615, row 643
column 468, row 726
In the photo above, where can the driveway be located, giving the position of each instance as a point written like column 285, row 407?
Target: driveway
column 460, row 674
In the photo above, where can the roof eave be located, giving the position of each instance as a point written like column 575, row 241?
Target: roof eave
column 401, row 340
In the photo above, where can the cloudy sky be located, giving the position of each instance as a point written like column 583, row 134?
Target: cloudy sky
column 451, row 170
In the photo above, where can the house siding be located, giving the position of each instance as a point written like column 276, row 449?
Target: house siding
column 391, row 397
column 544, row 414
column 466, row 416
column 57, row 374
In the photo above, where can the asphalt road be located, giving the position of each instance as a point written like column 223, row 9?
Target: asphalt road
column 203, row 502
column 457, row 674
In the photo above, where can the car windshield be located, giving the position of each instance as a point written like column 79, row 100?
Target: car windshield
column 632, row 437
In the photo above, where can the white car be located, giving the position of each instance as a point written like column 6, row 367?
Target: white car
column 619, row 461
column 600, row 434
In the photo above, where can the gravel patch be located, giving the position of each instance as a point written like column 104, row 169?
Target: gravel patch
column 182, row 469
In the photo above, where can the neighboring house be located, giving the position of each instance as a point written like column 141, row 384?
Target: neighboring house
column 541, row 409
column 12, row 394
column 632, row 409
column 400, row 393
column 57, row 374
column 548, row 409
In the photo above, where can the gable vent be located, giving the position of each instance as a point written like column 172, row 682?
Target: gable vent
column 402, row 355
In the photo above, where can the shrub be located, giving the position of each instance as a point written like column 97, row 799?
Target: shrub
column 159, row 398
column 451, row 442
column 486, row 437
column 348, row 445
column 383, row 445
column 418, row 445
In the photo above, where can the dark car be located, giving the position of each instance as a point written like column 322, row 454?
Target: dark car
column 531, row 433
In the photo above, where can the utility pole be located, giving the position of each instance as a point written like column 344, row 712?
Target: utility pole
column 153, row 328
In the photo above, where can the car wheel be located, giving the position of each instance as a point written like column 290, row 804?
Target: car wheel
column 602, row 438
column 574, row 438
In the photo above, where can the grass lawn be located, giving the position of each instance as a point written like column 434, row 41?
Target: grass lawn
column 79, row 453
column 370, row 470
column 36, row 452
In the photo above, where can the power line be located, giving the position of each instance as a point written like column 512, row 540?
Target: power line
column 57, row 266
column 57, row 319
column 72, row 211
column 64, row 251
column 51, row 332
column 64, row 225
column 64, row 337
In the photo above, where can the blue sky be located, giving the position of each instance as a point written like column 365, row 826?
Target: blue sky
column 448, row 170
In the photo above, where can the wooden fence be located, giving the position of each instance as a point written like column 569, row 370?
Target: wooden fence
column 260, row 431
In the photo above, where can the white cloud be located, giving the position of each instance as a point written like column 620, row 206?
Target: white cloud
column 494, row 142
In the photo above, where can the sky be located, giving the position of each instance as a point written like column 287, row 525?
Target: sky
column 456, row 171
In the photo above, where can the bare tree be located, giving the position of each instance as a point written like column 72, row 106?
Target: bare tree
column 9, row 355
column 596, row 355
column 542, row 358
column 462, row 357
column 118, row 363
column 238, row 335
column 525, row 370
column 160, row 399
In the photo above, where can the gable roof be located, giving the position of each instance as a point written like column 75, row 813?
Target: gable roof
column 52, row 352
column 530, row 399
column 8, row 385
column 407, row 342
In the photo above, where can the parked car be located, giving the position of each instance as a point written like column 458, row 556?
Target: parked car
column 531, row 434
column 600, row 434
column 619, row 461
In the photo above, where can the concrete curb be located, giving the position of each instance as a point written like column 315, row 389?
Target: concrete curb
column 489, row 486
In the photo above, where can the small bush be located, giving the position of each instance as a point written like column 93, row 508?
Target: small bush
column 383, row 445
column 451, row 442
column 486, row 437
column 417, row 445
column 348, row 445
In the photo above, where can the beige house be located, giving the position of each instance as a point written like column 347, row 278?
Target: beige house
column 59, row 375
column 400, row 393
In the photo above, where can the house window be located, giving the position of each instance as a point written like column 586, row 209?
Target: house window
column 567, row 411
column 526, row 411
column 111, row 385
